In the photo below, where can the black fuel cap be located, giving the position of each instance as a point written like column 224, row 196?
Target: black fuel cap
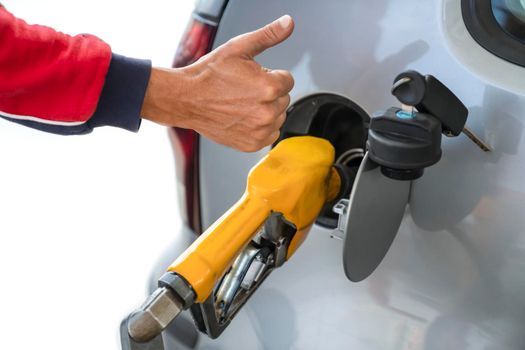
column 401, row 144
column 405, row 141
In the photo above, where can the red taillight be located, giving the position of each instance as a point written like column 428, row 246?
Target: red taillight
column 195, row 43
column 186, row 148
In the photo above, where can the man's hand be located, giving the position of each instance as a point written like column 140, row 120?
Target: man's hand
column 226, row 95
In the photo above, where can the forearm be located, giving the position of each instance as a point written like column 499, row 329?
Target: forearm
column 66, row 84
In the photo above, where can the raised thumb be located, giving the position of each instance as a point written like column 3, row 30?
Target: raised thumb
column 253, row 43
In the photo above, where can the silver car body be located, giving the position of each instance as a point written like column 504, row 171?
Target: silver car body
column 454, row 277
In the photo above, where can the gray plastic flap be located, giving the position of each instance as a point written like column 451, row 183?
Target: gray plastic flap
column 377, row 206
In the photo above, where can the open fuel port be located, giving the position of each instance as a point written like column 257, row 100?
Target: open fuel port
column 338, row 120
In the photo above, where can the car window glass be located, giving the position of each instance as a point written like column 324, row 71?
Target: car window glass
column 498, row 26
column 510, row 15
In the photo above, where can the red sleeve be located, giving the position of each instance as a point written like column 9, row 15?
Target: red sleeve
column 48, row 75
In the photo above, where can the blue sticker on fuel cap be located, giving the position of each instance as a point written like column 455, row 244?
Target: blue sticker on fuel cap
column 401, row 114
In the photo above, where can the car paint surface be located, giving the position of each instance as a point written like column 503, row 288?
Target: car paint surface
column 454, row 276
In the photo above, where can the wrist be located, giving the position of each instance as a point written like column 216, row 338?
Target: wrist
column 163, row 101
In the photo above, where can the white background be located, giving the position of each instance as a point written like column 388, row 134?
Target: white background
column 83, row 219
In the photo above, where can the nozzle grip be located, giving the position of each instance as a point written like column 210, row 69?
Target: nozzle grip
column 208, row 258
column 294, row 179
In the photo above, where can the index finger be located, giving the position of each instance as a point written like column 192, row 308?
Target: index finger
column 285, row 80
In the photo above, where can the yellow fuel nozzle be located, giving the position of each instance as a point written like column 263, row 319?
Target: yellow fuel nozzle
column 295, row 179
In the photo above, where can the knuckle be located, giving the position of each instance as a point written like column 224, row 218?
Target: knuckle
column 270, row 33
column 258, row 144
column 275, row 137
column 286, row 80
column 244, row 146
column 232, row 45
column 288, row 100
column 271, row 91
column 263, row 121
column 290, row 80
column 280, row 120
column 261, row 135
column 285, row 101
column 251, row 147
column 266, row 116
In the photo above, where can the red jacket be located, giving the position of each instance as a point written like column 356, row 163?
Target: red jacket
column 66, row 84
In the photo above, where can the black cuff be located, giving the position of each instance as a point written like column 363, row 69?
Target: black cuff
column 121, row 99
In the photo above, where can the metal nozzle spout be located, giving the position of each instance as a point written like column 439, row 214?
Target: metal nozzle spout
column 156, row 314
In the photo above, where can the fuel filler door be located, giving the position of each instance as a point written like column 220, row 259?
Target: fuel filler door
column 401, row 143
